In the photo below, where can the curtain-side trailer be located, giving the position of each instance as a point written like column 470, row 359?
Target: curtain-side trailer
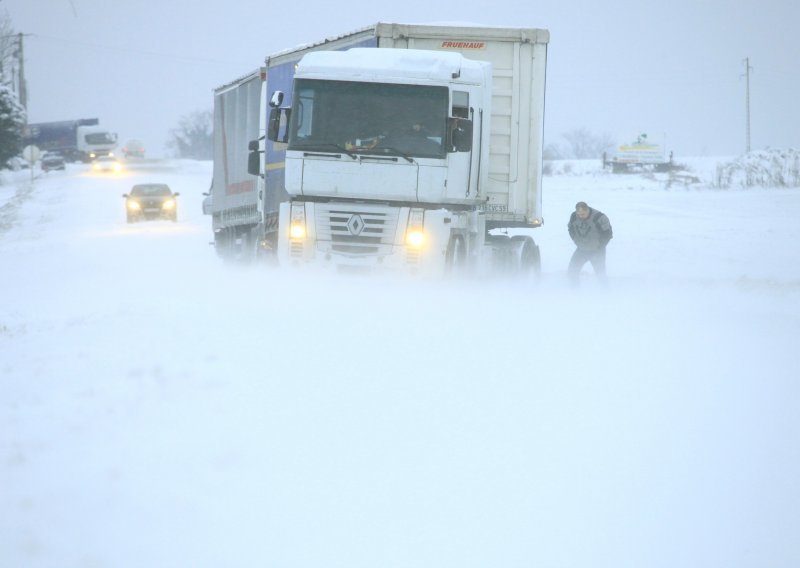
column 235, row 200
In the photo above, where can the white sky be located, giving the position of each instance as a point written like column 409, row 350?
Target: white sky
column 673, row 70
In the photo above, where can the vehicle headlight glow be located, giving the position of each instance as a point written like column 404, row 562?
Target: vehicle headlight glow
column 415, row 238
column 168, row 204
column 117, row 167
column 415, row 235
column 297, row 225
column 297, row 231
column 134, row 205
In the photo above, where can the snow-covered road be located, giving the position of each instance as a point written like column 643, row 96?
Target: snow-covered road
column 159, row 408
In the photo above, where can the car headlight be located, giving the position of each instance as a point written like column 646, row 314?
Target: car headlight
column 96, row 166
column 168, row 204
column 133, row 205
column 117, row 167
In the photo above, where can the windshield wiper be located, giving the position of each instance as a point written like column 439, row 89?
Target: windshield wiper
column 398, row 152
column 324, row 145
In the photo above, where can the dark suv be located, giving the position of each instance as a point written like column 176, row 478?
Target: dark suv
column 53, row 161
column 151, row 201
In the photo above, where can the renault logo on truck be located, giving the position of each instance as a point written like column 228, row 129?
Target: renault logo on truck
column 355, row 224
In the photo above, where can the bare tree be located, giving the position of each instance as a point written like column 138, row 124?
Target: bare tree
column 8, row 48
column 193, row 136
column 553, row 151
column 585, row 145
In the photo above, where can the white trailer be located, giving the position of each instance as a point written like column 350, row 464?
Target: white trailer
column 347, row 186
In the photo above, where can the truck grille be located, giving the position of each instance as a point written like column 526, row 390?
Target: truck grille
column 356, row 229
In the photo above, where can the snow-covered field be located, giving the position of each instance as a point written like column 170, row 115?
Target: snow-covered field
column 159, row 408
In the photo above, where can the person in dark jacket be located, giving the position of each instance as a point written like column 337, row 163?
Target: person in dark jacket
column 590, row 230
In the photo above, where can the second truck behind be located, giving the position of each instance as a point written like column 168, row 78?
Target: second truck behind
column 80, row 140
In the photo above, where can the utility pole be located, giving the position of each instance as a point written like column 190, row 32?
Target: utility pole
column 747, row 100
column 23, row 88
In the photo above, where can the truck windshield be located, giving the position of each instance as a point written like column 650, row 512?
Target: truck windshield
column 373, row 118
column 101, row 138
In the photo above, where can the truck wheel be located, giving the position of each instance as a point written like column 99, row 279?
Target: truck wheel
column 502, row 253
column 456, row 255
column 248, row 248
column 267, row 249
column 222, row 244
column 529, row 264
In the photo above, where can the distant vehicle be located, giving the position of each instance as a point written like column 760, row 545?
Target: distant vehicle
column 16, row 163
column 133, row 149
column 151, row 201
column 53, row 161
column 107, row 164
column 77, row 140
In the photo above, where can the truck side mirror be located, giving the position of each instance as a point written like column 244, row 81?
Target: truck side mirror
column 254, row 163
column 459, row 131
column 276, row 117
column 276, row 100
column 274, row 127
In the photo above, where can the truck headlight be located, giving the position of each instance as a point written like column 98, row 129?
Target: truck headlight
column 297, row 224
column 415, row 238
column 415, row 235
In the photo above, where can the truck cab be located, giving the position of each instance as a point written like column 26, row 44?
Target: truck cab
column 388, row 125
column 393, row 136
column 95, row 141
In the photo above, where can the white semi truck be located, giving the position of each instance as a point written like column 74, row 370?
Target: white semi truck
column 77, row 140
column 395, row 146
